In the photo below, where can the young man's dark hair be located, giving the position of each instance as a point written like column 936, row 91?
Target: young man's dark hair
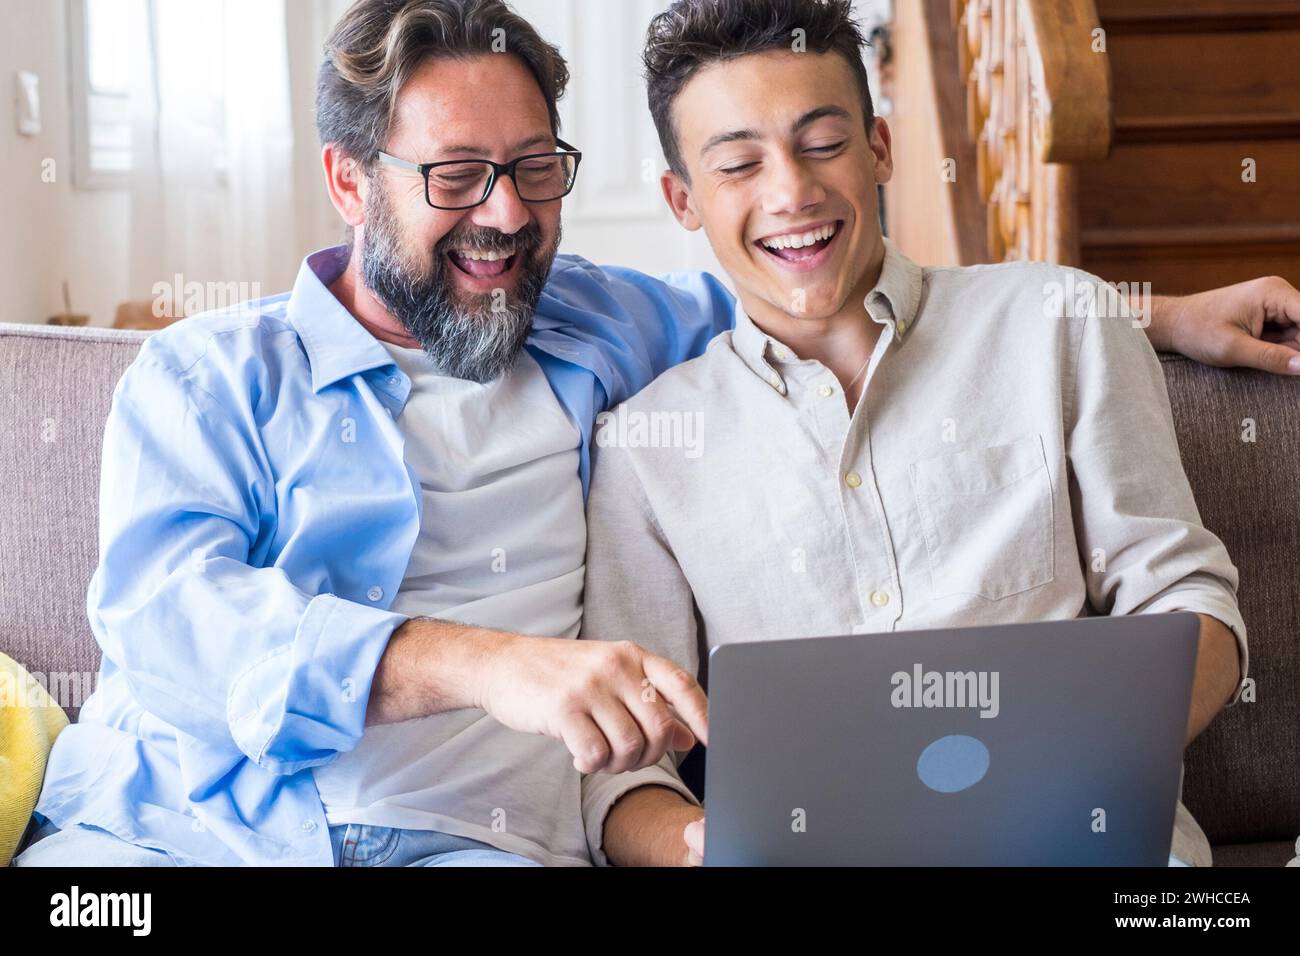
column 691, row 34
column 378, row 44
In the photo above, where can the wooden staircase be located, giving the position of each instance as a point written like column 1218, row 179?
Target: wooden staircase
column 1143, row 140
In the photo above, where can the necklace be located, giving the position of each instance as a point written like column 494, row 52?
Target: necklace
column 858, row 376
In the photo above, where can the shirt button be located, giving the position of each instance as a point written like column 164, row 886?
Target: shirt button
column 394, row 381
column 375, row 593
column 879, row 598
column 308, row 826
column 902, row 326
column 825, row 391
column 782, row 355
column 853, row 479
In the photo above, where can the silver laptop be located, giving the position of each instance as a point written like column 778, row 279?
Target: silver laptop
column 1045, row 744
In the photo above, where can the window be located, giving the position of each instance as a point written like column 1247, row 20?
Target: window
column 107, row 40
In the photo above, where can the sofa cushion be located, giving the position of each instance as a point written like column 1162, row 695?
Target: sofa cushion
column 1243, row 773
column 1279, row 853
column 56, row 385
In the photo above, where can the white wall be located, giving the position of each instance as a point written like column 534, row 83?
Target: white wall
column 51, row 231
column 307, row 23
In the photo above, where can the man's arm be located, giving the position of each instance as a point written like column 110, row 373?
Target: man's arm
column 591, row 696
column 648, row 827
column 429, row 667
column 1140, row 538
column 1218, row 674
column 226, row 652
column 641, row 325
column 1254, row 324
column 238, row 656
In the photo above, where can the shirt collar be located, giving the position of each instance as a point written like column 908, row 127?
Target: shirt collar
column 893, row 302
column 896, row 299
column 755, row 347
column 337, row 344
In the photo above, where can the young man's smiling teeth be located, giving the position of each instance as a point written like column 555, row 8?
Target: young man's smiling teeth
column 800, row 246
column 797, row 240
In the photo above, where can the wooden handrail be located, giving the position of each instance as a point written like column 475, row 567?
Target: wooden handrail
column 1038, row 98
column 1070, row 81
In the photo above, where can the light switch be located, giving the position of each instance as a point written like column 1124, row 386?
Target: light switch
column 27, row 102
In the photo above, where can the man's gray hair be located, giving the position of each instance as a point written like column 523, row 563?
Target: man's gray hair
column 378, row 44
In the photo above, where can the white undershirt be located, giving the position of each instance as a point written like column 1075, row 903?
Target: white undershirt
column 502, row 544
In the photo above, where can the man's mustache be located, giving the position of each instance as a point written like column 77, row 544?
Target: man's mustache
column 486, row 239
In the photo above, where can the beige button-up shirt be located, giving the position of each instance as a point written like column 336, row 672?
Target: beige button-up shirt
column 1012, row 458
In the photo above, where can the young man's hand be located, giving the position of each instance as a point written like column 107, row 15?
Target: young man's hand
column 616, row 706
column 1254, row 324
column 694, row 837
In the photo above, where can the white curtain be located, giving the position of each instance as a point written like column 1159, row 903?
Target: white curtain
column 212, row 188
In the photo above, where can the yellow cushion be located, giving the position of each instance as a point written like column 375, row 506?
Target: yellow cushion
column 29, row 722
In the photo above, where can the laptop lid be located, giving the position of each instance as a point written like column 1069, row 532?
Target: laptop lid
column 1050, row 743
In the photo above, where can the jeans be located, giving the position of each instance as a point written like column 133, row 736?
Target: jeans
column 355, row 844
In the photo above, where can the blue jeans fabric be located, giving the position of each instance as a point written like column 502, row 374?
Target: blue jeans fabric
column 357, row 844
column 354, row 845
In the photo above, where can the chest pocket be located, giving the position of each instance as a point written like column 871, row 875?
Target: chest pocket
column 987, row 518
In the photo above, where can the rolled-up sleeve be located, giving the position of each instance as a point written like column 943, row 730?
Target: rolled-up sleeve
column 636, row 592
column 1141, row 540
column 223, row 650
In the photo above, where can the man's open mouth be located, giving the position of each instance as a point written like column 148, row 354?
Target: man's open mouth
column 802, row 248
column 483, row 263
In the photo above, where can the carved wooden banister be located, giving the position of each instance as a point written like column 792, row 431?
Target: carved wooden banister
column 1038, row 99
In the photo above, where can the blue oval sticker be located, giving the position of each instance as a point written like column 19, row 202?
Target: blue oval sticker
column 953, row 763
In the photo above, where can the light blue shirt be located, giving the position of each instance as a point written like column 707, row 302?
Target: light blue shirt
column 256, row 520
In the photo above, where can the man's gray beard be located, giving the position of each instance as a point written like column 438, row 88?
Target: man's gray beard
column 478, row 340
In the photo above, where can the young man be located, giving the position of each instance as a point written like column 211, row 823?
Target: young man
column 877, row 446
column 342, row 540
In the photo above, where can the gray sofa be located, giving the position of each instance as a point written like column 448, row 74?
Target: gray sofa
column 1242, row 775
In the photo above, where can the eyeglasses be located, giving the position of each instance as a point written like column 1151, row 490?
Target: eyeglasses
column 466, row 183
